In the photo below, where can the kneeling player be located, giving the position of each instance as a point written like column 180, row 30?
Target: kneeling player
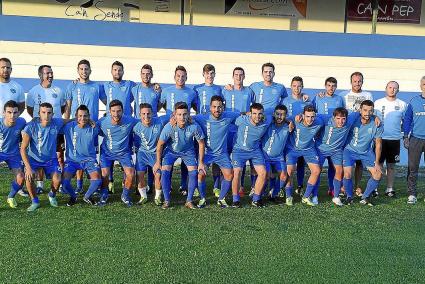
column 180, row 144
column 11, row 126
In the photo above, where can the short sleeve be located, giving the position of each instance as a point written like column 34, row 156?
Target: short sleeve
column 165, row 133
column 199, row 134
column 30, row 98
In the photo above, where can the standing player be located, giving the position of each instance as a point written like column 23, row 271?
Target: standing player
column 148, row 130
column 204, row 92
column 414, row 139
column 116, row 130
column 10, row 90
column 179, row 143
column 81, row 139
column 84, row 92
column 363, row 136
column 39, row 137
column 391, row 111
column 146, row 92
column 11, row 126
column 302, row 144
column 251, row 129
column 216, row 127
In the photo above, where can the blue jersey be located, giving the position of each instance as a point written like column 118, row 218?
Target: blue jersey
column 180, row 140
column 85, row 94
column 148, row 95
column 116, row 137
column 248, row 136
column 10, row 137
column 10, row 91
column 148, row 135
column 295, row 106
column 118, row 91
column 238, row 100
column 269, row 96
column 414, row 119
column 172, row 95
column 42, row 147
column 362, row 136
column 304, row 137
column 53, row 95
column 333, row 138
column 215, row 131
column 204, row 94
column 327, row 105
column 274, row 140
column 80, row 142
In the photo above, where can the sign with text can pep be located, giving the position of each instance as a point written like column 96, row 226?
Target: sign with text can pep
column 267, row 8
column 390, row 11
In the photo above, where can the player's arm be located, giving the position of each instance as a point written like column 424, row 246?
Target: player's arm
column 159, row 149
column 29, row 174
column 67, row 111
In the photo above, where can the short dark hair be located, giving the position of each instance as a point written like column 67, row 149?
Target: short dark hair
column 117, row 63
column 83, row 108
column 145, row 105
column 268, row 64
column 180, row 68
column 208, row 68
column 46, row 104
column 85, row 62
column 115, row 103
column 297, row 79
column 366, row 103
column 238, row 69
column 7, row 60
column 256, row 106
column 281, row 107
column 181, row 105
column 11, row 104
column 357, row 73
column 331, row 80
column 147, row 66
column 309, row 108
column 340, row 111
column 40, row 70
column 217, row 98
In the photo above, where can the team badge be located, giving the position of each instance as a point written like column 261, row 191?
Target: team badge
column 13, row 91
column 155, row 129
column 55, row 95
column 123, row 89
column 222, row 123
column 397, row 107
column 188, row 134
column 17, row 132
column 369, row 130
column 53, row 131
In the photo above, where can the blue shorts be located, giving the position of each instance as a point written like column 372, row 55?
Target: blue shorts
column 189, row 159
column 335, row 156
column 310, row 156
column 240, row 157
column 349, row 158
column 50, row 167
column 277, row 165
column 89, row 166
column 230, row 141
column 222, row 160
column 107, row 160
column 13, row 162
column 143, row 160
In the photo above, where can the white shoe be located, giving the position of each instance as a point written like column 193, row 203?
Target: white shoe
column 23, row 193
column 315, row 200
column 411, row 199
column 337, row 201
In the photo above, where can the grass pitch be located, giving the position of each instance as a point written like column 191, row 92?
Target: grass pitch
column 277, row 244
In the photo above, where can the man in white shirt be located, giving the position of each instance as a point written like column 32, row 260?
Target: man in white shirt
column 391, row 111
column 10, row 90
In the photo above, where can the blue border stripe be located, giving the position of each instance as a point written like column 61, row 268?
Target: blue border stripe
column 67, row 31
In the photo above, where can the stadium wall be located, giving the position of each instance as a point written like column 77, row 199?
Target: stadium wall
column 32, row 41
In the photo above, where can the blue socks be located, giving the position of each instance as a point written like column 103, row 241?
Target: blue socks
column 308, row 190
column 277, row 187
column 94, row 185
column 104, row 194
column 125, row 195
column 79, row 183
column 14, row 188
column 52, row 194
column 202, row 185
column 337, row 187
column 236, row 198
column 348, row 186
column 255, row 197
column 225, row 187
column 216, row 181
column 35, row 200
column 68, row 188
column 288, row 191
column 372, row 184
column 166, row 184
column 253, row 180
column 193, row 179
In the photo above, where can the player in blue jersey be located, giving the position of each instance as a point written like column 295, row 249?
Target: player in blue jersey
column 251, row 129
column 274, row 144
column 10, row 128
column 84, row 92
column 116, row 130
column 10, row 90
column 363, row 137
column 39, row 137
column 178, row 142
column 146, row 92
column 216, row 127
column 148, row 130
column 302, row 144
column 81, row 139
column 414, row 139
column 325, row 104
column 172, row 95
column 295, row 103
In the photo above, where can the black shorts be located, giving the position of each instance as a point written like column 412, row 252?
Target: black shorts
column 390, row 151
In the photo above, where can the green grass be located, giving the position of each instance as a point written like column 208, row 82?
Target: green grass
column 383, row 244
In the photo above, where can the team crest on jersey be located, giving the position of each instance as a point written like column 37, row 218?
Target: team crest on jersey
column 17, row 132
column 55, row 95
column 397, row 108
column 13, row 91
column 369, row 130
column 222, row 123
column 155, row 129
column 188, row 133
column 123, row 88
column 53, row 131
